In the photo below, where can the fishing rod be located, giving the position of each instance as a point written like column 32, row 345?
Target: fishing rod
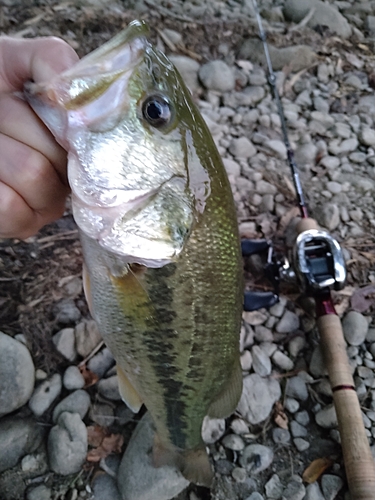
column 319, row 265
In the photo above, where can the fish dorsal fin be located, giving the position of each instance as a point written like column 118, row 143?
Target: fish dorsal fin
column 129, row 395
column 226, row 402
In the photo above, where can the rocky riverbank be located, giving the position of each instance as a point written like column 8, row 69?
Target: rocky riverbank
column 63, row 427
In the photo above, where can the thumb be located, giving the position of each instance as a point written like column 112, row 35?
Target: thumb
column 37, row 59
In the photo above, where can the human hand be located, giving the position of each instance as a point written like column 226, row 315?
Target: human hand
column 33, row 181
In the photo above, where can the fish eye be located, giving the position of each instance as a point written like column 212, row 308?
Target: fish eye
column 157, row 111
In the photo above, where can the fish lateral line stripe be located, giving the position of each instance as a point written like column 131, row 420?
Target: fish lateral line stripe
column 343, row 387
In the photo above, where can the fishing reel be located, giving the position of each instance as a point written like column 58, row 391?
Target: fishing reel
column 317, row 263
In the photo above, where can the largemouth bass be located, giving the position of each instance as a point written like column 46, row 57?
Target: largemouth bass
column 163, row 269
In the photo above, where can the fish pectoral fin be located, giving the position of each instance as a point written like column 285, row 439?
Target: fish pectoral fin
column 226, row 402
column 193, row 464
column 129, row 395
column 87, row 287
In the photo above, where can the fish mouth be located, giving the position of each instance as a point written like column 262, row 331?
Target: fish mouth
column 69, row 98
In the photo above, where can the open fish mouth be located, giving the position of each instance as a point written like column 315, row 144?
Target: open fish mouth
column 77, row 97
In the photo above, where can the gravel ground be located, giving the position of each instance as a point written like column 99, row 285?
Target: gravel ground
column 63, row 427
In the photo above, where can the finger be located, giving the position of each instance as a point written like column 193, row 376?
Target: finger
column 24, row 221
column 19, row 122
column 32, row 176
column 36, row 59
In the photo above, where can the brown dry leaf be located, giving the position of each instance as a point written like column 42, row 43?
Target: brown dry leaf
column 363, row 298
column 280, row 418
column 369, row 255
column 95, row 435
column 90, row 377
column 316, row 469
column 110, row 444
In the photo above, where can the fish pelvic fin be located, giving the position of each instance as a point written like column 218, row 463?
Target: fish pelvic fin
column 127, row 392
column 193, row 464
column 226, row 401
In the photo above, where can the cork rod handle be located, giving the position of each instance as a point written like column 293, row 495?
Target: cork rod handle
column 358, row 459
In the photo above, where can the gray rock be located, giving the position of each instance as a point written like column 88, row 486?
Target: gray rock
column 256, row 458
column 324, row 15
column 301, row 444
column 353, row 81
column 277, row 310
column 108, row 387
column 212, row 429
column 67, row 444
column 292, row 405
column 87, row 337
column 17, row 374
column 233, row 442
column 35, row 464
column 343, row 130
column 282, row 361
column 330, row 162
column 255, row 496
column 313, row 492
column 302, row 417
column 334, row 187
column 280, row 436
column 242, row 148
column 66, row 312
column 101, row 362
column 232, row 167
column 264, row 187
column 306, row 154
column 276, row 147
column 274, row 488
column 366, row 136
column 331, row 485
column 261, row 362
column 246, row 361
column 239, row 426
column 326, row 417
column 258, row 397
column 188, row 69
column 295, row 10
column 355, row 328
column 77, row 402
column 18, row 437
column 317, row 366
column 173, row 36
column 288, row 323
column 296, row 388
column 321, row 104
column 64, row 341
column 45, row 394
column 104, row 487
column 41, row 492
column 329, row 216
column 73, row 378
column 294, row 491
column 138, row 479
column 250, row 96
column 297, row 429
column 217, row 75
column 296, row 57
column 304, row 99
